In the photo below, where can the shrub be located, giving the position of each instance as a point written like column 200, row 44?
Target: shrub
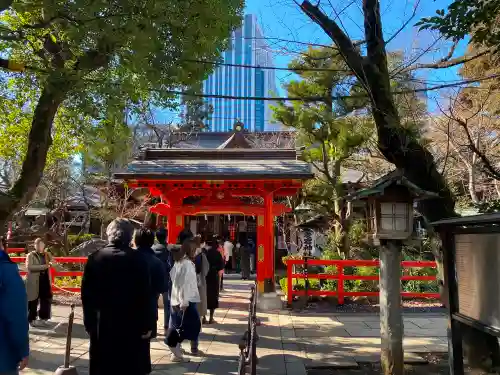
column 69, row 281
column 299, row 284
column 74, row 239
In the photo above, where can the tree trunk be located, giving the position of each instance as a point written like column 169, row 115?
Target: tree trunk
column 342, row 214
column 39, row 142
column 391, row 320
column 397, row 146
column 472, row 184
column 497, row 188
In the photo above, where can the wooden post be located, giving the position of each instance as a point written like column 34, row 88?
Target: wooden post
column 391, row 320
column 340, row 284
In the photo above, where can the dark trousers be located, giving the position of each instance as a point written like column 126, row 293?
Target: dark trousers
column 229, row 264
column 222, row 281
column 43, row 313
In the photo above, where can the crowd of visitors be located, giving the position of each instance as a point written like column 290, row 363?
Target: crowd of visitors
column 121, row 286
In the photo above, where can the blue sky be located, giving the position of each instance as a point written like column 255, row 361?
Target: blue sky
column 282, row 19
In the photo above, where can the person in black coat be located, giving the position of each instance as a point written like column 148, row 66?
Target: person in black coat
column 216, row 264
column 116, row 297
column 165, row 256
column 144, row 239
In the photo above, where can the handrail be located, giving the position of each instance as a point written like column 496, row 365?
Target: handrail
column 248, row 343
column 340, row 276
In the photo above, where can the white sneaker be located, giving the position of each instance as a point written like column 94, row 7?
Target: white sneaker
column 44, row 322
column 34, row 324
column 177, row 359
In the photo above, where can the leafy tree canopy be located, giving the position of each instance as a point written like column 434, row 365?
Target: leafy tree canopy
column 90, row 57
column 478, row 18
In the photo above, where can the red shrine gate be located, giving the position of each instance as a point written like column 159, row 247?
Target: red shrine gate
column 215, row 181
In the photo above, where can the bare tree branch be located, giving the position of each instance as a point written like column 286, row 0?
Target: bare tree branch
column 446, row 62
column 405, row 24
column 346, row 47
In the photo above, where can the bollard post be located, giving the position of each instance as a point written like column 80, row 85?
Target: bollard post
column 340, row 284
column 66, row 369
column 289, row 283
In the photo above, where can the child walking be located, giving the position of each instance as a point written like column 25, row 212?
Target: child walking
column 184, row 298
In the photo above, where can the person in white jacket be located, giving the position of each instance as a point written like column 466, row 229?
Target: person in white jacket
column 184, row 298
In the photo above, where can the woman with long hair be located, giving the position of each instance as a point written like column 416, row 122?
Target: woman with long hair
column 216, row 264
column 202, row 266
column 184, row 298
column 39, row 284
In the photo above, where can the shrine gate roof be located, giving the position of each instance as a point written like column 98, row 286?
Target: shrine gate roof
column 227, row 164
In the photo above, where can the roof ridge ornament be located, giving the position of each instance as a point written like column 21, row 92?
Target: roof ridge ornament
column 238, row 126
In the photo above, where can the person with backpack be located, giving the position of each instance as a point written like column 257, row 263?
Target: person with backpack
column 164, row 254
column 14, row 328
column 144, row 240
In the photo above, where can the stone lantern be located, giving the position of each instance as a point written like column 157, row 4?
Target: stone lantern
column 389, row 207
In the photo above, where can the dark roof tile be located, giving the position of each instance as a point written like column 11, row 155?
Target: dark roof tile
column 217, row 169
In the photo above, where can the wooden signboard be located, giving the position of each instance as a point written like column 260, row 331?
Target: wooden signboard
column 478, row 276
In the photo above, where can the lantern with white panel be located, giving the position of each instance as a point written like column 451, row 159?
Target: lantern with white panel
column 389, row 219
column 389, row 207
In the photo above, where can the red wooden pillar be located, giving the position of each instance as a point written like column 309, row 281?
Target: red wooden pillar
column 261, row 264
column 171, row 236
column 269, row 243
column 175, row 224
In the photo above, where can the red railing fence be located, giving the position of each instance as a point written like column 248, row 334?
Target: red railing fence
column 56, row 273
column 340, row 276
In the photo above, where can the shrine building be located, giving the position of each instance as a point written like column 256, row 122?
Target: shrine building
column 222, row 190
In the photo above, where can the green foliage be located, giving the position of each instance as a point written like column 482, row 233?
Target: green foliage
column 109, row 145
column 93, row 59
column 197, row 111
column 357, row 232
column 15, row 125
column 74, row 240
column 488, row 207
column 463, row 17
column 68, row 282
column 328, row 129
column 299, row 284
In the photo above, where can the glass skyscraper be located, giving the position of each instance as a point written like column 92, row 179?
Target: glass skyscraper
column 247, row 47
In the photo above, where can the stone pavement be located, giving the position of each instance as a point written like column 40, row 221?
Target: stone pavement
column 289, row 342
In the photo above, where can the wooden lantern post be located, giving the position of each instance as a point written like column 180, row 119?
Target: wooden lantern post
column 389, row 214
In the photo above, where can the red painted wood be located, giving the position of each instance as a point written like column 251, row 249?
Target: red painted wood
column 340, row 277
column 269, row 237
column 16, row 250
column 340, row 293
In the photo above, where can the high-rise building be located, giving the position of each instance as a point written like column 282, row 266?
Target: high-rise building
column 247, row 47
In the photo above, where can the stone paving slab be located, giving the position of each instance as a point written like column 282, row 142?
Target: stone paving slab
column 289, row 341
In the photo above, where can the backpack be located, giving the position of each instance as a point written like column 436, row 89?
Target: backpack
column 167, row 259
